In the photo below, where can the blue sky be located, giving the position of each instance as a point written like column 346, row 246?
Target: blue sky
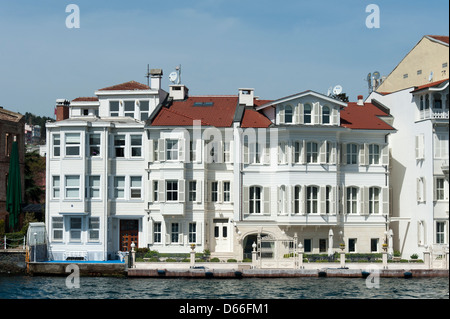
column 277, row 47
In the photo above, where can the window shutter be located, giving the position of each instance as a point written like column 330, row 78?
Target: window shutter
column 198, row 233
column 424, row 190
column 316, row 112
column 198, row 150
column 385, row 154
column 161, row 191
column 385, row 195
column 333, row 153
column 362, row 154
column 266, row 156
column 150, row 232
column 181, row 150
column 303, row 152
column 266, row 199
column 335, row 116
column 246, row 200
column 323, row 152
column 420, row 146
column 168, row 239
column 364, row 200
column 151, row 153
column 300, row 113
column 333, row 200
column 181, row 192
column 302, row 206
column 162, row 149
column 220, row 191
column 281, row 114
column 246, row 153
column 198, row 191
column 343, row 153
column 323, row 199
column 344, row 200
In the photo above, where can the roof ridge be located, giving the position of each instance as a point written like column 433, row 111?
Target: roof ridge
column 186, row 116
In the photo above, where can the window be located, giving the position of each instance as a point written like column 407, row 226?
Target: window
column 192, row 232
column 57, row 228
column 93, row 190
column 72, row 141
column 307, row 245
column 56, row 187
column 440, row 191
column 114, row 108
column 144, row 108
column 297, row 199
column 322, row 245
column 328, row 151
column 374, row 200
column 227, row 152
column 214, row 191
column 352, row 245
column 175, row 232
column 171, row 191
column 255, row 153
column 72, row 186
column 374, row 245
column 311, row 199
column 307, row 114
column 94, row 228
column 437, row 101
column 155, row 191
column 119, row 187
column 171, row 150
column 311, row 152
column 374, row 154
column 282, row 153
column 94, row 145
column 325, row 115
column 136, row 145
column 288, row 114
column 192, row 151
column 157, row 232
column 255, row 200
column 419, row 72
column 405, row 76
column 328, row 199
column 155, row 150
column 226, row 191
column 440, row 232
column 352, row 153
column 129, row 108
column 135, row 187
column 441, row 146
column 351, row 200
column 192, row 191
column 282, row 200
column 427, row 102
column 421, row 103
column 119, row 145
column 297, row 152
column 56, row 145
column 75, row 229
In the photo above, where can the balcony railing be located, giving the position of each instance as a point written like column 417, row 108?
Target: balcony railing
column 433, row 114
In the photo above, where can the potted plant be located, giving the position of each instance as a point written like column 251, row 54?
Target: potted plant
column 385, row 246
column 342, row 246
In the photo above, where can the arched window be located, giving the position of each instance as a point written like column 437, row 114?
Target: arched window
column 288, row 114
column 352, row 198
column 307, row 114
column 374, row 200
column 312, row 199
column 325, row 115
column 255, row 200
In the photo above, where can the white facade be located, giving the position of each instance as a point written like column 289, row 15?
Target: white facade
column 419, row 166
column 114, row 178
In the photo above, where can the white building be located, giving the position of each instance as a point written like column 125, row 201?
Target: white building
column 215, row 171
column 419, row 166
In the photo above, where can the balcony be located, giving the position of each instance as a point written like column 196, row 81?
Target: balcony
column 444, row 168
column 432, row 114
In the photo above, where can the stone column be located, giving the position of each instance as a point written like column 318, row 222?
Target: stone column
column 342, row 259
column 384, row 255
column 133, row 255
column 300, row 256
column 427, row 259
column 192, row 256
column 254, row 255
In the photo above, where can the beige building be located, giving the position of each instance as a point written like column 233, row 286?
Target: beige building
column 427, row 62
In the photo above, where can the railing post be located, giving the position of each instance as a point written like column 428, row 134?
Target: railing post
column 4, row 242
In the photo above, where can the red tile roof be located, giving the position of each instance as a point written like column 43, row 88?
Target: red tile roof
column 428, row 85
column 254, row 119
column 443, row 38
column 86, row 99
column 364, row 117
column 127, row 86
column 219, row 114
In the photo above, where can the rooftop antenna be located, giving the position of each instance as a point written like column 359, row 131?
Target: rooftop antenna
column 176, row 75
column 369, row 82
column 148, row 75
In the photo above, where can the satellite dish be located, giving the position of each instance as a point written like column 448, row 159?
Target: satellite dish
column 430, row 78
column 376, row 75
column 337, row 89
column 173, row 77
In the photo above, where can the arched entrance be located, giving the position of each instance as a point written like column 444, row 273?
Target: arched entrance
column 247, row 244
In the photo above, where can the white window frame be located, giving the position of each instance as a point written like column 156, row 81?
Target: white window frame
column 136, row 147
column 69, row 144
column 312, row 155
column 73, row 230
column 173, row 191
column 352, row 153
column 192, row 196
column 72, row 187
column 56, row 187
column 312, row 200
column 351, row 200
column 117, row 188
column 174, row 233
column 91, row 187
column 157, row 232
column 56, row 145
column 94, row 229
column 226, row 188
column 441, row 233
column 119, row 145
column 374, row 200
column 135, row 189
column 255, row 203
column 58, row 226
column 192, row 235
column 94, row 146
column 374, row 154
column 172, row 151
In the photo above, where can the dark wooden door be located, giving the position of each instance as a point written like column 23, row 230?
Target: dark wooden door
column 129, row 229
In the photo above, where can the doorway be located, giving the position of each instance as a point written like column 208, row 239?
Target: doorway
column 129, row 230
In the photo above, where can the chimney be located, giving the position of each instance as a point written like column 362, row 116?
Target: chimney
column 360, row 100
column 178, row 92
column 155, row 78
column 246, row 96
column 62, row 109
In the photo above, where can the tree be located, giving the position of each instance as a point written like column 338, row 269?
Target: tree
column 34, row 174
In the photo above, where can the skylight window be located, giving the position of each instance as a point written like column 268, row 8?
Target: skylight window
column 203, row 103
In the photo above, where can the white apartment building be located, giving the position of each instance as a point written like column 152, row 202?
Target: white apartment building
column 419, row 166
column 168, row 170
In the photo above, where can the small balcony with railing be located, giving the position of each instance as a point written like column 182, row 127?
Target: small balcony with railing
column 433, row 106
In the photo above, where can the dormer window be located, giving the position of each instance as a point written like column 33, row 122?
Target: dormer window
column 114, row 108
column 307, row 114
column 288, row 114
column 326, row 115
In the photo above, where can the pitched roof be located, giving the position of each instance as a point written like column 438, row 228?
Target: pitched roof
column 428, row 85
column 254, row 119
column 10, row 116
column 215, row 111
column 363, row 117
column 442, row 38
column 127, row 86
column 86, row 99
